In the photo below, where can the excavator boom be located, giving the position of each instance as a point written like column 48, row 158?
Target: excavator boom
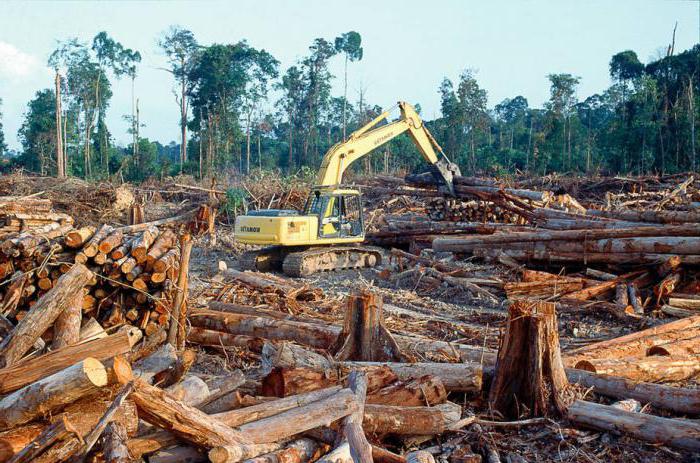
column 371, row 136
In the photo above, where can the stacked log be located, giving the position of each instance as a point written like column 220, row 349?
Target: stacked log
column 133, row 272
column 457, row 210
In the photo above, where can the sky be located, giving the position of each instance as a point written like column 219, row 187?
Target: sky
column 410, row 46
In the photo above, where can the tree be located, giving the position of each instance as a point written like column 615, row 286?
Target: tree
column 560, row 107
column 291, row 102
column 625, row 66
column 38, row 133
column 3, row 145
column 180, row 46
column 263, row 69
column 350, row 44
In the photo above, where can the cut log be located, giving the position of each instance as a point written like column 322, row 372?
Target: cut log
column 91, row 248
column 67, row 327
column 31, row 370
column 213, row 338
column 83, row 415
column 173, row 375
column 283, row 382
column 360, row 449
column 192, row 390
column 425, row 391
column 159, row 408
column 680, row 400
column 649, row 369
column 114, row 446
column 237, row 453
column 323, row 336
column 165, row 241
column 529, row 376
column 649, row 428
column 52, row 392
column 43, row 314
column 110, row 242
column 468, row 244
column 55, row 432
column 637, row 343
column 161, row 360
column 140, row 246
column 678, row 349
column 178, row 317
column 298, row 451
column 410, row 421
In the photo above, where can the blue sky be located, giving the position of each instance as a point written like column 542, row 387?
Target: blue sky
column 409, row 45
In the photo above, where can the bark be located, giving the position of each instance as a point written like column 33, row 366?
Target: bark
column 580, row 257
column 364, row 335
column 218, row 339
column 360, row 449
column 77, row 238
column 236, row 453
column 55, row 432
column 192, row 390
column 35, row 369
column 52, row 392
column 67, row 327
column 140, row 246
column 92, row 246
column 636, row 344
column 43, row 314
column 680, row 400
column 649, row 216
column 649, row 428
column 425, row 391
column 410, row 421
column 160, row 409
column 178, row 318
column 650, row 369
column 529, row 375
column 110, row 242
column 114, row 446
column 323, row 336
column 678, row 349
column 283, row 382
column 467, row 244
column 167, row 378
column 298, row 451
column 180, row 454
column 160, row 360
column 602, row 288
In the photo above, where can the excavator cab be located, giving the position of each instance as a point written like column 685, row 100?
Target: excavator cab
column 339, row 213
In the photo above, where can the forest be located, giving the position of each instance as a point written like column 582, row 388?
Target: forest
column 645, row 122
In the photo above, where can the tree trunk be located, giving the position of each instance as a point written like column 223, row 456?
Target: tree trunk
column 52, row 392
column 43, row 314
column 649, row 428
column 529, row 377
column 410, row 421
column 679, row 400
column 61, row 168
column 66, row 330
column 649, row 369
column 364, row 335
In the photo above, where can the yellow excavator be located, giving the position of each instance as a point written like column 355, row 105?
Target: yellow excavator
column 325, row 235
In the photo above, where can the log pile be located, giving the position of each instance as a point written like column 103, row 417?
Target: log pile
column 132, row 274
column 455, row 210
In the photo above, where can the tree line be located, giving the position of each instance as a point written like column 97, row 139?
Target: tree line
column 238, row 111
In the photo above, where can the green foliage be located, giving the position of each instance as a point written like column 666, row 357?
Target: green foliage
column 38, row 134
column 234, row 201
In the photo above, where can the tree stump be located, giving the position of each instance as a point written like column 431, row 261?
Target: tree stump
column 530, row 379
column 364, row 336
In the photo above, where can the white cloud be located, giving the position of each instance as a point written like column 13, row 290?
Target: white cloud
column 15, row 64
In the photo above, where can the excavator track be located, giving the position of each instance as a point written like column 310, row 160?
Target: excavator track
column 327, row 259
column 262, row 260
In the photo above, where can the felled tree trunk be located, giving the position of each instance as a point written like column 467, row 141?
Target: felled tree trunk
column 529, row 376
column 364, row 336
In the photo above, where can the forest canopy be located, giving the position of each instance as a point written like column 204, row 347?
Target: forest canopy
column 238, row 110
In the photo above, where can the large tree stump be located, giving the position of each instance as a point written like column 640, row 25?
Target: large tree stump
column 530, row 377
column 364, row 336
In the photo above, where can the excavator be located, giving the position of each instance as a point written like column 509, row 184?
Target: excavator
column 326, row 235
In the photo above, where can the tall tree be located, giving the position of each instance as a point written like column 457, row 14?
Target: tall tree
column 38, row 134
column 180, row 46
column 263, row 69
column 350, row 44
column 292, row 88
column 3, row 145
column 560, row 106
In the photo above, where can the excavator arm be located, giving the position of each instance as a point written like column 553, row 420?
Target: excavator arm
column 364, row 140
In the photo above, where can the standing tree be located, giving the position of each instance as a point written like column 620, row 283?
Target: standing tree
column 264, row 68
column 350, row 44
column 291, row 102
column 180, row 47
column 38, row 133
column 3, row 145
column 561, row 106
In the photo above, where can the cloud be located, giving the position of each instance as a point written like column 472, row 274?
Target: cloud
column 15, row 64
